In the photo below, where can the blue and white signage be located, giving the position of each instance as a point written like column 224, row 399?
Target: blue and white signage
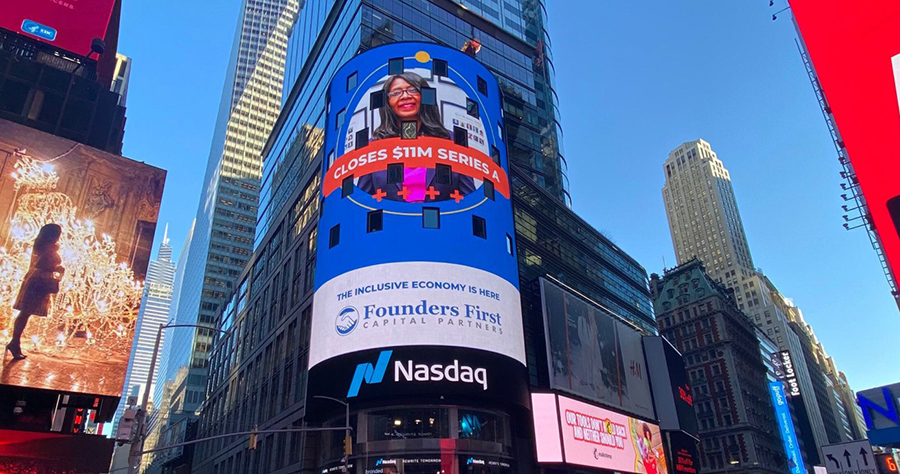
column 416, row 237
column 786, row 428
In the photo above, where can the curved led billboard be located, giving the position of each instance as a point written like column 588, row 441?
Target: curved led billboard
column 415, row 242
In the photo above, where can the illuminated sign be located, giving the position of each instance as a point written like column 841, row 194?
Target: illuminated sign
column 410, row 371
column 853, row 46
column 672, row 394
column 786, row 428
column 595, row 437
column 592, row 354
column 881, row 411
column 69, row 25
column 416, row 240
column 78, row 228
column 413, row 372
column 683, row 453
column 789, row 375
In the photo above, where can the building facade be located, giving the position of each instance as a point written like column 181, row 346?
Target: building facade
column 705, row 224
column 263, row 380
column 222, row 236
column 154, row 311
column 727, row 372
column 121, row 77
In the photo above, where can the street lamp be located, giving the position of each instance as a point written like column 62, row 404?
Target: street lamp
column 347, row 439
column 137, row 445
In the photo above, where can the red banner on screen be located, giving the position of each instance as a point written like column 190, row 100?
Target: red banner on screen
column 67, row 24
column 854, row 47
column 424, row 152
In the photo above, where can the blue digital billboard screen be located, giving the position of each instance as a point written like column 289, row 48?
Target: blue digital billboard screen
column 786, row 428
column 416, row 241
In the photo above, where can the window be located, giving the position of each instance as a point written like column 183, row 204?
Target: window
column 482, row 86
column 376, row 100
column 351, row 82
column 395, row 173
column 460, row 136
column 495, row 154
column 429, row 96
column 395, row 66
column 347, row 186
column 479, row 227
column 439, row 68
column 340, row 119
column 471, row 107
column 431, row 218
column 509, row 244
column 334, row 236
column 442, row 174
column 488, row 190
column 375, row 221
column 362, row 138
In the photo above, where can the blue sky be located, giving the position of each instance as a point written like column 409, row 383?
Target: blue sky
column 635, row 79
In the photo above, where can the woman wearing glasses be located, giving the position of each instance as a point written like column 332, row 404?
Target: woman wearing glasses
column 404, row 104
column 403, row 93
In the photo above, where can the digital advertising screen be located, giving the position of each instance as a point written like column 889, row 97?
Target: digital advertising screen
column 24, row 452
column 786, row 428
column 592, row 354
column 416, row 241
column 684, row 453
column 70, row 25
column 596, row 437
column 854, row 48
column 77, row 225
column 671, row 389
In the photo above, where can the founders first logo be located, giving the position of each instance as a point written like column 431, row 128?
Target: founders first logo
column 346, row 321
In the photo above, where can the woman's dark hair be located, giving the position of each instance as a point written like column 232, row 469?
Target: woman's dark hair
column 647, row 430
column 47, row 236
column 429, row 115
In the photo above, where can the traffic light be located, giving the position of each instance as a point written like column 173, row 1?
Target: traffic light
column 348, row 445
column 887, row 463
column 253, row 436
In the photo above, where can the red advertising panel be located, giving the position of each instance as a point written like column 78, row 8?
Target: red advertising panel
column 76, row 229
column 67, row 24
column 23, row 452
column 596, row 437
column 854, row 47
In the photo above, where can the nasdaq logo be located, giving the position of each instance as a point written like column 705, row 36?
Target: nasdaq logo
column 369, row 374
column 41, row 31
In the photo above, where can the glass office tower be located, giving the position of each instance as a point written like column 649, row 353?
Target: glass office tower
column 222, row 236
column 258, row 377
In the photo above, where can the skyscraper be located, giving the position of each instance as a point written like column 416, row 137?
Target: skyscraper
column 259, row 377
column 154, row 311
column 121, row 77
column 222, row 237
column 705, row 223
column 703, row 216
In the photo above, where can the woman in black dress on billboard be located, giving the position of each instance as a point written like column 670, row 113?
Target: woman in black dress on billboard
column 41, row 281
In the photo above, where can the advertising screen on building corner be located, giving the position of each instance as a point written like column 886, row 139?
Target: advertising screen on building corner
column 416, row 274
column 77, row 225
column 595, row 437
column 855, row 49
column 68, row 24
